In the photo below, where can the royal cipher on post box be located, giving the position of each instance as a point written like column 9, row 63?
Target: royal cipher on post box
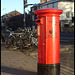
column 48, row 32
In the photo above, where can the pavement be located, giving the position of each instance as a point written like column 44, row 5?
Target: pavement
column 15, row 62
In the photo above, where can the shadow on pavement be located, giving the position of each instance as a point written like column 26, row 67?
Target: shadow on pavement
column 14, row 71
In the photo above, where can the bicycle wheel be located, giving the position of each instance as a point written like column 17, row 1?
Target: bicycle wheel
column 7, row 43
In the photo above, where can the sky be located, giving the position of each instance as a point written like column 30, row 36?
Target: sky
column 11, row 5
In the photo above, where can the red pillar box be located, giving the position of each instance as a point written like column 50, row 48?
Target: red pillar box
column 48, row 32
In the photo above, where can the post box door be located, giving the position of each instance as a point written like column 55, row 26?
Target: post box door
column 41, row 31
column 52, row 41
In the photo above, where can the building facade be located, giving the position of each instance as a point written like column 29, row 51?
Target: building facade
column 13, row 20
column 43, row 1
column 66, row 5
column 5, row 18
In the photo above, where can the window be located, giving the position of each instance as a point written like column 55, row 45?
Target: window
column 43, row 1
column 1, row 19
column 48, row 0
column 32, row 9
column 38, row 7
column 33, row 17
column 54, row 0
column 71, row 14
column 68, row 14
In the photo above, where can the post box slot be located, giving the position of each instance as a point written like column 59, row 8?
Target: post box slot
column 37, row 20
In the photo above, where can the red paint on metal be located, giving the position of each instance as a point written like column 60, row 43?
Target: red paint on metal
column 49, row 35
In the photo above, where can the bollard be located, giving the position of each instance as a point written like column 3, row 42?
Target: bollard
column 48, row 32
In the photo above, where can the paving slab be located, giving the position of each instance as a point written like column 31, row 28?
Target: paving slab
column 18, row 63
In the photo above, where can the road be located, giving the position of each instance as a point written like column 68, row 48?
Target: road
column 66, row 36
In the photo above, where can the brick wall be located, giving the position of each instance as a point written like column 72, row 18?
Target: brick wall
column 42, row 1
column 48, row 0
